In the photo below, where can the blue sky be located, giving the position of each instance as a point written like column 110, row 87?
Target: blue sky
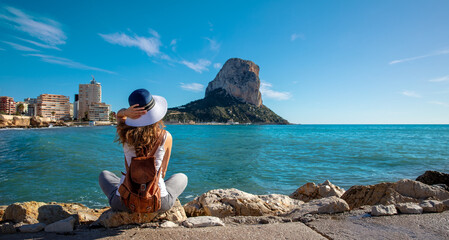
column 320, row 61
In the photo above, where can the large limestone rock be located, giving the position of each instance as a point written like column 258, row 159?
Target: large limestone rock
column 112, row 218
column 434, row 177
column 392, row 193
column 6, row 120
column 26, row 212
column 240, row 79
column 310, row 191
column 35, row 212
column 39, row 122
column 233, row 202
column 21, row 121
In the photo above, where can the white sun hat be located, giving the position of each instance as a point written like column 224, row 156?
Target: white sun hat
column 156, row 107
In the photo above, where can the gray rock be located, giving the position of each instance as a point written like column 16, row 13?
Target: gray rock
column 409, row 208
column 240, row 79
column 7, row 227
column 202, row 221
column 65, row 225
column 382, row 210
column 169, row 224
column 310, row 191
column 401, row 191
column 432, row 206
column 327, row 205
column 31, row 228
column 233, row 202
column 419, row 190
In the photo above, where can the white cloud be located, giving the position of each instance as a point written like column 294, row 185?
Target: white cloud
column 217, row 65
column 154, row 33
column 193, row 87
column 441, row 52
column 295, row 36
column 67, row 62
column 214, row 45
column 439, row 103
column 40, row 44
column 200, row 66
column 173, row 45
column 440, row 79
column 410, row 94
column 45, row 29
column 265, row 89
column 150, row 45
column 21, row 47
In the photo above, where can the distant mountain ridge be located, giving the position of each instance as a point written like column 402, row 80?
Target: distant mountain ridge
column 233, row 96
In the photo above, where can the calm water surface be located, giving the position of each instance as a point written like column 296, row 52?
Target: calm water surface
column 62, row 164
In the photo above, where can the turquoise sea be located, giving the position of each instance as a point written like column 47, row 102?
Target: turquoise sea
column 62, row 164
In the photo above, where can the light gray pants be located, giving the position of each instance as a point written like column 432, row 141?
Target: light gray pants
column 109, row 183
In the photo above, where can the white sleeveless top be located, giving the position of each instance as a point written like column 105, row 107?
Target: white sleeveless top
column 159, row 155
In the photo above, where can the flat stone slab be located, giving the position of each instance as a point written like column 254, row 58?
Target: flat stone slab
column 359, row 225
column 202, row 221
column 295, row 230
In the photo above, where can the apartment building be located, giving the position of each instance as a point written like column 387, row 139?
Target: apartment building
column 7, row 105
column 99, row 112
column 56, row 107
column 88, row 94
column 89, row 103
column 32, row 106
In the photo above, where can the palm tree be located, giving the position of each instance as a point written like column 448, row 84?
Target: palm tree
column 20, row 108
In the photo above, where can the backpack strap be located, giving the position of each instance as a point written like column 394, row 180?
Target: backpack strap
column 126, row 166
column 158, row 142
column 165, row 162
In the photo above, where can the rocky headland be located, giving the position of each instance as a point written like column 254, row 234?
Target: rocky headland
column 233, row 96
column 10, row 121
column 315, row 208
column 14, row 121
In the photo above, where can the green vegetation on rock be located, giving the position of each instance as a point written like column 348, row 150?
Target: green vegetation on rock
column 220, row 107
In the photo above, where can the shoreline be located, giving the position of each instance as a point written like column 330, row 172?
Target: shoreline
column 240, row 215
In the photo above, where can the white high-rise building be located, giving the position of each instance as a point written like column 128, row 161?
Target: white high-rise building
column 89, row 102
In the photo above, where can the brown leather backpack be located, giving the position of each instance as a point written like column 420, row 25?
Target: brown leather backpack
column 140, row 190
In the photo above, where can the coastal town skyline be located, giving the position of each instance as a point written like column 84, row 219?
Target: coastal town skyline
column 355, row 62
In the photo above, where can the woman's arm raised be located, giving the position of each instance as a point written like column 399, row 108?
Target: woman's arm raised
column 132, row 112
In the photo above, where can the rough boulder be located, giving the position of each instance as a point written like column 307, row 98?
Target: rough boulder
column 310, row 191
column 112, row 218
column 233, row 202
column 35, row 212
column 392, row 193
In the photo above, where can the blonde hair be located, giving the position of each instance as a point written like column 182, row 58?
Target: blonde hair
column 141, row 138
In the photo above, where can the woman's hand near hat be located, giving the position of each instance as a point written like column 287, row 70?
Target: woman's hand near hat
column 132, row 112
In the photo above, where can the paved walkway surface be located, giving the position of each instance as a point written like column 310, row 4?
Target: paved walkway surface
column 294, row 230
column 362, row 226
column 353, row 225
